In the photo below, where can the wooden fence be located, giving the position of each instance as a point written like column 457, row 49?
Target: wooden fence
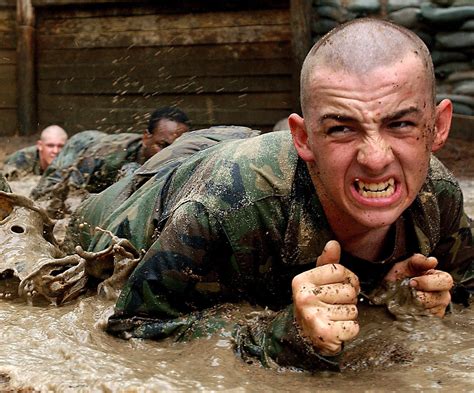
column 107, row 64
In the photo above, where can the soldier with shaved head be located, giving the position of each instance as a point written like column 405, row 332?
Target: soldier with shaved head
column 34, row 160
column 302, row 222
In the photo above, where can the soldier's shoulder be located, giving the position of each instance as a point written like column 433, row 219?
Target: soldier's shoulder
column 87, row 135
column 240, row 170
column 442, row 178
column 29, row 151
column 122, row 137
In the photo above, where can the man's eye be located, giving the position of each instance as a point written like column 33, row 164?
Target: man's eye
column 338, row 130
column 401, row 124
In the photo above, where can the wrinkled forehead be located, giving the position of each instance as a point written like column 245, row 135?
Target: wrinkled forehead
column 406, row 68
column 54, row 139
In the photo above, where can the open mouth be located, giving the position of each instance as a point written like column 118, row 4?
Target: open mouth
column 375, row 190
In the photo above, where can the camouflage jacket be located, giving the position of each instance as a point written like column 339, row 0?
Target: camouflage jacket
column 4, row 186
column 236, row 222
column 21, row 163
column 90, row 160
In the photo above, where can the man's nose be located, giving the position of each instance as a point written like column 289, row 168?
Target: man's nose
column 375, row 154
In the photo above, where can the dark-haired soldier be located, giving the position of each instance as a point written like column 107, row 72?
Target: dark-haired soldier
column 92, row 159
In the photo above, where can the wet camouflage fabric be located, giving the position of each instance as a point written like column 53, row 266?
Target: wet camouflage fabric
column 4, row 186
column 21, row 163
column 90, row 160
column 235, row 223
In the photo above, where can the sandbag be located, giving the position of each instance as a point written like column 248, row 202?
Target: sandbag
column 395, row 5
column 442, row 57
column 465, row 87
column 363, row 6
column 455, row 40
column 448, row 16
column 407, row 17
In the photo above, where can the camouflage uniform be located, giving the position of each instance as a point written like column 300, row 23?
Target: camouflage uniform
column 21, row 163
column 90, row 160
column 4, row 186
column 235, row 223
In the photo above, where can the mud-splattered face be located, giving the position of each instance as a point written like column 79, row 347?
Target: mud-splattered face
column 368, row 141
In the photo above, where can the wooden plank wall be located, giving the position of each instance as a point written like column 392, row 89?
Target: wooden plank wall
column 8, row 118
column 107, row 68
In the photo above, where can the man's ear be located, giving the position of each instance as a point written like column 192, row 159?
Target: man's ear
column 444, row 114
column 300, row 137
column 39, row 145
column 145, row 138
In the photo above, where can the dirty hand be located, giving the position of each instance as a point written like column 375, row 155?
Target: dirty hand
column 432, row 286
column 324, row 300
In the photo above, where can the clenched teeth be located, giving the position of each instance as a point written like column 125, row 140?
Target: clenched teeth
column 375, row 190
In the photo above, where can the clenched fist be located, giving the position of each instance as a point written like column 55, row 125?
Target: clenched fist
column 432, row 286
column 324, row 300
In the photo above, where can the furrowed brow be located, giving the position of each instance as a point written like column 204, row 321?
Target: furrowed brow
column 401, row 113
column 337, row 117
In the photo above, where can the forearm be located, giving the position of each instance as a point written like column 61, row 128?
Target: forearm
column 182, row 328
column 455, row 254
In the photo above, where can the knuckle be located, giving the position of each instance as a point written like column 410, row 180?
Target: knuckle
column 356, row 328
column 446, row 299
column 297, row 282
column 450, row 280
column 302, row 296
column 324, row 329
column 354, row 311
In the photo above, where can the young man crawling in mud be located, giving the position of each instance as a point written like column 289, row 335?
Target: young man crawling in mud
column 303, row 222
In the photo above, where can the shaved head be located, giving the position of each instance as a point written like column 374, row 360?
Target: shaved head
column 53, row 131
column 361, row 46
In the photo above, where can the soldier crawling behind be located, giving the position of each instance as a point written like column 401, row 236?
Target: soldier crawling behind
column 33, row 160
column 300, row 222
column 91, row 160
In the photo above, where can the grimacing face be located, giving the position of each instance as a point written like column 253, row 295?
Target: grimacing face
column 367, row 141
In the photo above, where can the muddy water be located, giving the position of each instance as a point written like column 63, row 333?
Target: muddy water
column 64, row 349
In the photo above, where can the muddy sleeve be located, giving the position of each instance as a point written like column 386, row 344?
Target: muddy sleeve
column 21, row 163
column 455, row 251
column 274, row 339
column 177, row 288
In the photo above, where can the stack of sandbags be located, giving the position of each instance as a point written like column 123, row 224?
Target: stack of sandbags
column 452, row 26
